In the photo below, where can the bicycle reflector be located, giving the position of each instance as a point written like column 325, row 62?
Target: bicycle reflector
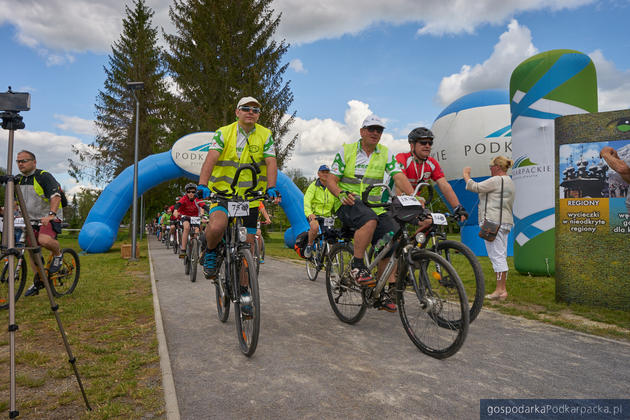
column 436, row 275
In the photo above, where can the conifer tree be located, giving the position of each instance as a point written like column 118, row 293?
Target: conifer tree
column 224, row 50
column 135, row 57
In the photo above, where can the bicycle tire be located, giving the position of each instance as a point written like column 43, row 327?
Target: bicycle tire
column 223, row 299
column 19, row 283
column 193, row 259
column 256, row 256
column 311, row 263
column 435, row 317
column 469, row 270
column 344, row 295
column 64, row 281
column 175, row 242
column 166, row 240
column 247, row 328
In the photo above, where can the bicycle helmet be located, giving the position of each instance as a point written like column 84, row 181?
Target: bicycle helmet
column 419, row 133
column 190, row 186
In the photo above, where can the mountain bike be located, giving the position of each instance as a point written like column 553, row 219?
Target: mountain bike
column 325, row 239
column 191, row 260
column 458, row 254
column 63, row 282
column 237, row 280
column 431, row 299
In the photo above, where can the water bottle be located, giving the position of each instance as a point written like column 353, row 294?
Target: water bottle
column 382, row 242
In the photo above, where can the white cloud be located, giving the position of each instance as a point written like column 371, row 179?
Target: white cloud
column 297, row 66
column 613, row 84
column 514, row 46
column 320, row 139
column 76, row 125
column 52, row 151
column 93, row 25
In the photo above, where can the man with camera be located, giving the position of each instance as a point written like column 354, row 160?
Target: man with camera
column 42, row 198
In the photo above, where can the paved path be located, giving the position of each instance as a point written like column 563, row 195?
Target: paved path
column 308, row 364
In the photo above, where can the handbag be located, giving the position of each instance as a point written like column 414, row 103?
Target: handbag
column 489, row 229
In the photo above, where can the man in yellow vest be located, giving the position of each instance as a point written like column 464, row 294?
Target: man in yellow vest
column 318, row 204
column 42, row 196
column 242, row 142
column 357, row 166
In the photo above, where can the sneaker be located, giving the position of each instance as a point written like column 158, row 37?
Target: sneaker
column 361, row 274
column 210, row 266
column 34, row 289
column 308, row 251
column 246, row 303
column 182, row 253
column 55, row 265
column 386, row 303
column 261, row 260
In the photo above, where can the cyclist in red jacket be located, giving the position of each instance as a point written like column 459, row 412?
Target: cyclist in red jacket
column 189, row 207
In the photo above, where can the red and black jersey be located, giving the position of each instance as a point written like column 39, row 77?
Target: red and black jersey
column 417, row 171
column 187, row 207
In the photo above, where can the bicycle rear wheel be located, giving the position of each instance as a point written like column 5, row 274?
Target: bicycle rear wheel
column 432, row 305
column 64, row 281
column 221, row 284
column 193, row 259
column 344, row 295
column 469, row 271
column 19, row 280
column 247, row 310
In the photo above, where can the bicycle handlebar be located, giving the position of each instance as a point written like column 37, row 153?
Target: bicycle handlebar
column 248, row 192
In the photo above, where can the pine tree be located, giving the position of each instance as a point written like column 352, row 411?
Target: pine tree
column 224, row 50
column 135, row 57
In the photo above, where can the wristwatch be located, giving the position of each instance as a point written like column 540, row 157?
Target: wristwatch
column 52, row 213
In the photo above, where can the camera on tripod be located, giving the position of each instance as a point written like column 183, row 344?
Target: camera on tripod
column 15, row 101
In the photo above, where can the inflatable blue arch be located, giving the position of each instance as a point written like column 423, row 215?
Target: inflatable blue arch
column 101, row 226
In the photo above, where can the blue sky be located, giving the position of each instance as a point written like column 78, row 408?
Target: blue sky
column 403, row 60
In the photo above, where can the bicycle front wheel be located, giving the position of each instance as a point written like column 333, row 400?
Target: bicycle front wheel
column 64, row 281
column 312, row 264
column 193, row 259
column 432, row 305
column 221, row 284
column 469, row 271
column 344, row 295
column 19, row 280
column 257, row 255
column 247, row 308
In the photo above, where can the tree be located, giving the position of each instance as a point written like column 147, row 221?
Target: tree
column 135, row 57
column 224, row 50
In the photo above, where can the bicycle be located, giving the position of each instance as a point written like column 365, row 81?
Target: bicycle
column 458, row 254
column 431, row 299
column 321, row 247
column 62, row 283
column 191, row 260
column 238, row 281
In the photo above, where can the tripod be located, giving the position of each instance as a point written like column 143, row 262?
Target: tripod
column 12, row 121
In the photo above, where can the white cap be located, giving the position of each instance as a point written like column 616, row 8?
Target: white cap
column 372, row 120
column 247, row 100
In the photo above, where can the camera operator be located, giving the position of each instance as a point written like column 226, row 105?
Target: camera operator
column 42, row 198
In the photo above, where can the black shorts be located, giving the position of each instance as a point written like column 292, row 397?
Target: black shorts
column 359, row 214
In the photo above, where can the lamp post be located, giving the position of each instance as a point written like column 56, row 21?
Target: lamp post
column 133, row 86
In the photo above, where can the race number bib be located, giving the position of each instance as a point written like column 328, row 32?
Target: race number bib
column 439, row 219
column 19, row 222
column 238, row 208
column 195, row 220
column 407, row 200
column 329, row 222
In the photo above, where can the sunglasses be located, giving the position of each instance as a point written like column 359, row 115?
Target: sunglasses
column 253, row 109
column 374, row 128
column 23, row 160
column 191, row 191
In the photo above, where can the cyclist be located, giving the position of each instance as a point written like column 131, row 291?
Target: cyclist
column 188, row 206
column 262, row 212
column 165, row 221
column 174, row 221
column 318, row 203
column 356, row 166
column 43, row 197
column 419, row 166
column 242, row 142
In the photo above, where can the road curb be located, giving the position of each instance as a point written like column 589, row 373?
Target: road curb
column 168, row 384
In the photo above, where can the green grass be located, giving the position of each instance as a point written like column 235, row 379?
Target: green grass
column 529, row 297
column 110, row 326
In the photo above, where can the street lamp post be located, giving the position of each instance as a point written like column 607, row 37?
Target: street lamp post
column 133, row 86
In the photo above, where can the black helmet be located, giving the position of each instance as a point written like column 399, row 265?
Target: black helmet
column 419, row 133
column 190, row 186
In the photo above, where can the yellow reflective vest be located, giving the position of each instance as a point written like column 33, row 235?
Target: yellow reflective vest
column 318, row 200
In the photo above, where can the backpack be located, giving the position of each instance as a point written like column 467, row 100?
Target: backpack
column 300, row 244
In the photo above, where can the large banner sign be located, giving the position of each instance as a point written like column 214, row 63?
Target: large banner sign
column 593, row 211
